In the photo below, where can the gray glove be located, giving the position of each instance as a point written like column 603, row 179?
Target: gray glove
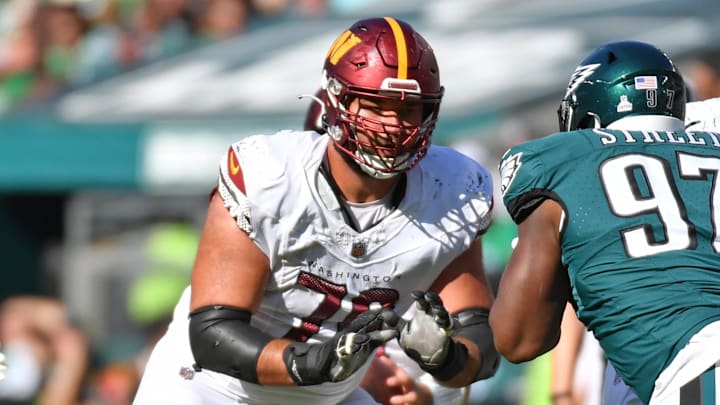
column 426, row 338
column 340, row 357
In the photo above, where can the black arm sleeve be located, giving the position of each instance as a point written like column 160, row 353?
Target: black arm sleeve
column 521, row 207
column 473, row 325
column 222, row 340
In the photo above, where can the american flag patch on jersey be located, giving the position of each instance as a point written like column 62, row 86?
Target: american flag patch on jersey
column 645, row 83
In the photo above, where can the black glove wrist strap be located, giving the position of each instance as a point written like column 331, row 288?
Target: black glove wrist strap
column 453, row 363
column 307, row 363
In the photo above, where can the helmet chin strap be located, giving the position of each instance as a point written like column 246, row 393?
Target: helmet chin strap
column 352, row 162
column 368, row 163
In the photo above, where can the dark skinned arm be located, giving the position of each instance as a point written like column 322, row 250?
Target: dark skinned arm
column 534, row 289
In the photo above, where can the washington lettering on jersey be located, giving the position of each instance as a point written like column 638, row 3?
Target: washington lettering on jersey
column 337, row 276
column 641, row 207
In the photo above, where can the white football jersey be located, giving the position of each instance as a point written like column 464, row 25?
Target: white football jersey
column 323, row 271
column 703, row 115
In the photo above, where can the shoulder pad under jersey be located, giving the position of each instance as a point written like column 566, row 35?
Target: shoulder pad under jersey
column 469, row 185
column 254, row 163
column 526, row 170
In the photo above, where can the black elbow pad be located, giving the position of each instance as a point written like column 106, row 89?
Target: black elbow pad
column 222, row 340
column 472, row 324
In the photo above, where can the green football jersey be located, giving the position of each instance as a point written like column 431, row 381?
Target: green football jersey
column 640, row 239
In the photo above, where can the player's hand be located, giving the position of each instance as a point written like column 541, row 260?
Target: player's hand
column 3, row 366
column 358, row 341
column 426, row 338
column 340, row 357
column 389, row 384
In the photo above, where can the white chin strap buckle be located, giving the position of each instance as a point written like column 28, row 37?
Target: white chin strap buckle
column 370, row 163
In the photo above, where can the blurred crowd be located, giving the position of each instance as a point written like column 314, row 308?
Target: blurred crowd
column 47, row 46
column 52, row 357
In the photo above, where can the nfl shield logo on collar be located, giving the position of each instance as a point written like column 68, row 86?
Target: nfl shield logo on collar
column 358, row 249
column 186, row 373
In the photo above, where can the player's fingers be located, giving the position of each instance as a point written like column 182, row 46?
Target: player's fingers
column 441, row 317
column 390, row 318
column 370, row 319
column 386, row 361
column 391, row 367
column 418, row 295
column 433, row 299
column 380, row 337
column 374, row 319
column 422, row 304
column 437, row 310
column 349, row 344
column 402, row 379
column 404, row 398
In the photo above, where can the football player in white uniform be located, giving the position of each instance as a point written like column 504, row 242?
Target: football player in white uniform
column 393, row 377
column 703, row 115
column 313, row 243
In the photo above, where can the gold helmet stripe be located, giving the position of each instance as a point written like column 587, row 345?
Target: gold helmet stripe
column 401, row 47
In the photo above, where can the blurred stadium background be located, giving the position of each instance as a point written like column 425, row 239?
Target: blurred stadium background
column 113, row 114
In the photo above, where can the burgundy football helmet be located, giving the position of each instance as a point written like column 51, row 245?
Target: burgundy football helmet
column 381, row 59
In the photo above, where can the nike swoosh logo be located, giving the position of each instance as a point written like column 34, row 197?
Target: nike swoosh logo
column 234, row 166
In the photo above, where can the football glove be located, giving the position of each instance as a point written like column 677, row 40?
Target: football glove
column 427, row 338
column 341, row 356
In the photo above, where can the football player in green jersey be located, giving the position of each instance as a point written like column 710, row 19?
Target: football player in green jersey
column 618, row 214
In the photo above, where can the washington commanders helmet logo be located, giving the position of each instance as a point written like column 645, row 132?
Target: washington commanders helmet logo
column 345, row 42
